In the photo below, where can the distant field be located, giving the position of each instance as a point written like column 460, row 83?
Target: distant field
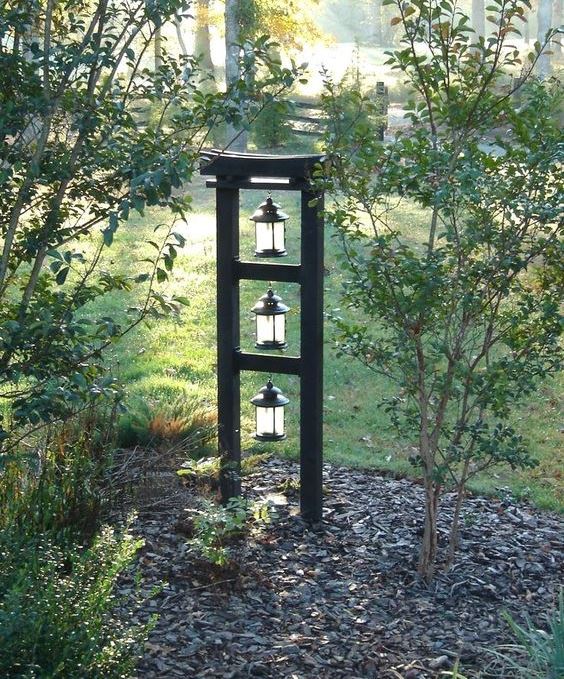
column 175, row 360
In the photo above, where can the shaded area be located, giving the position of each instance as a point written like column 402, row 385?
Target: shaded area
column 342, row 600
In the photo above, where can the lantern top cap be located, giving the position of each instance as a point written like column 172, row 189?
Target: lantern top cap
column 269, row 397
column 268, row 211
column 270, row 305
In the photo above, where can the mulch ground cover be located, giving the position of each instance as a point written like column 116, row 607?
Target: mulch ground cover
column 341, row 599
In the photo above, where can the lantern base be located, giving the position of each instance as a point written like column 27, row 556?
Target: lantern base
column 270, row 437
column 271, row 253
column 271, row 345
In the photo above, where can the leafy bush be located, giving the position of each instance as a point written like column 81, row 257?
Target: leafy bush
column 353, row 104
column 58, row 570
column 215, row 525
column 61, row 486
column 462, row 312
column 57, row 608
column 77, row 159
column 272, row 129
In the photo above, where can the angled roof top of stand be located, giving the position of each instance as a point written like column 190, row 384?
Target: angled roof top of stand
column 227, row 164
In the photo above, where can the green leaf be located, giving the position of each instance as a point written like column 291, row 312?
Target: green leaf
column 61, row 277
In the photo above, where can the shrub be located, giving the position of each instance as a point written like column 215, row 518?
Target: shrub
column 78, row 156
column 58, row 608
column 61, row 486
column 272, row 129
column 460, row 313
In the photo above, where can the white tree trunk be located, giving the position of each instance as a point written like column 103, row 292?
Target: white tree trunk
column 180, row 35
column 557, row 22
column 544, row 24
column 377, row 15
column 478, row 18
column 158, row 45
column 236, row 138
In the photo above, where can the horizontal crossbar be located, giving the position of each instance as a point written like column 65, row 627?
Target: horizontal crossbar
column 258, row 184
column 267, row 363
column 261, row 271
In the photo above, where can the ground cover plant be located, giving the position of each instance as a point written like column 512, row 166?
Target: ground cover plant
column 469, row 316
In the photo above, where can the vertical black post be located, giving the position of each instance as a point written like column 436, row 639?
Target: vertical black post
column 228, row 393
column 311, row 401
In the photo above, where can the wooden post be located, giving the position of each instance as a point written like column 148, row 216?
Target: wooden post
column 311, row 384
column 228, row 392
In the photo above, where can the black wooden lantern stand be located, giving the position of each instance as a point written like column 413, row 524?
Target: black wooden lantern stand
column 234, row 172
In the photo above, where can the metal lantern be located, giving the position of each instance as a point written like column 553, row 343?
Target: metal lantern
column 270, row 230
column 270, row 321
column 269, row 404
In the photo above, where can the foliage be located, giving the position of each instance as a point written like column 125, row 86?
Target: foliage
column 181, row 421
column 215, row 525
column 272, row 128
column 467, row 322
column 353, row 104
column 289, row 24
column 206, row 469
column 78, row 154
column 60, row 487
column 57, row 608
column 538, row 654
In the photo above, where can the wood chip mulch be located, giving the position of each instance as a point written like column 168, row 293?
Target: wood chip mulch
column 341, row 599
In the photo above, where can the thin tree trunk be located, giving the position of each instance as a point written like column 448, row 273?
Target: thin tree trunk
column 377, row 14
column 478, row 18
column 428, row 553
column 544, row 23
column 158, row 45
column 236, row 138
column 202, row 41
column 180, row 35
column 556, row 22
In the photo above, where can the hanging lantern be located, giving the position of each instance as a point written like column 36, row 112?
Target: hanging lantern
column 270, row 230
column 269, row 404
column 270, row 321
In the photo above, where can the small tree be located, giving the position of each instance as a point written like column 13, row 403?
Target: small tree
column 464, row 321
column 90, row 131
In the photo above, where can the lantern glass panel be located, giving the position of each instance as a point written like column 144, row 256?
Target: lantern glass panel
column 265, row 421
column 265, row 329
column 270, row 422
column 279, row 421
column 271, row 329
column 264, row 236
column 279, row 229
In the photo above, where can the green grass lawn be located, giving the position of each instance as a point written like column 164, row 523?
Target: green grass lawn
column 173, row 361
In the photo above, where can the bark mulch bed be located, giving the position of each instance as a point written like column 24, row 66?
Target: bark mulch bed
column 341, row 599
